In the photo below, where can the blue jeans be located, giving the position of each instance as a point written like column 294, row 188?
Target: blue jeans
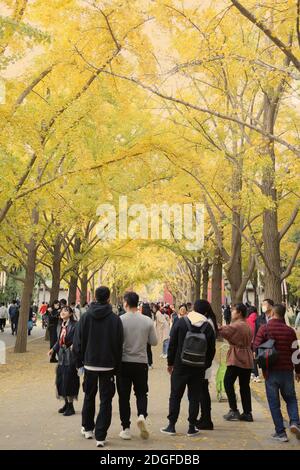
column 165, row 346
column 282, row 381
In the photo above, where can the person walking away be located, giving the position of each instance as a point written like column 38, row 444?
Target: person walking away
column 203, row 307
column 227, row 315
column 139, row 332
column 53, row 314
column 187, row 365
column 43, row 314
column 30, row 321
column 67, row 380
column 280, row 377
column 239, row 363
column 3, row 316
column 163, row 331
column 252, row 316
column 13, row 312
column 146, row 310
column 98, row 347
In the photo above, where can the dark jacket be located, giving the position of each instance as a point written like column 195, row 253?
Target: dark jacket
column 284, row 337
column 53, row 316
column 98, row 340
column 71, row 327
column 261, row 320
column 14, row 312
column 177, row 336
column 227, row 314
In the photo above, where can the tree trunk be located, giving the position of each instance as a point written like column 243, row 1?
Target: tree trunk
column 21, row 341
column 216, row 287
column 72, row 289
column 234, row 272
column 197, row 278
column 205, row 278
column 74, row 276
column 254, row 281
column 272, row 276
column 84, row 288
column 56, row 268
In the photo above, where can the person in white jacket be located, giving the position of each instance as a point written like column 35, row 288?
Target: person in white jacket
column 3, row 316
column 163, row 331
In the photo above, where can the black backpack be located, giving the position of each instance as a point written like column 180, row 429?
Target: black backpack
column 267, row 354
column 194, row 346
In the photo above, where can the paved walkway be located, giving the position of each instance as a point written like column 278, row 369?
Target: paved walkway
column 9, row 339
column 29, row 418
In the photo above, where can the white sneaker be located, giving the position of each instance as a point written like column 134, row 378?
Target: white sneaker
column 100, row 443
column 164, row 356
column 87, row 434
column 141, row 424
column 150, row 367
column 125, row 434
column 257, row 380
column 252, row 377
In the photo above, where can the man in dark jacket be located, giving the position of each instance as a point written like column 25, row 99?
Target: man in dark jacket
column 263, row 319
column 280, row 378
column 183, row 375
column 98, row 346
column 13, row 312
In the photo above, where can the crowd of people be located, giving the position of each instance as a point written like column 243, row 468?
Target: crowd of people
column 113, row 352
column 11, row 313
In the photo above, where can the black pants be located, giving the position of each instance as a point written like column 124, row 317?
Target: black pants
column 180, row 379
column 132, row 374
column 106, row 383
column 149, row 355
column 2, row 323
column 255, row 369
column 232, row 373
column 205, row 402
column 14, row 326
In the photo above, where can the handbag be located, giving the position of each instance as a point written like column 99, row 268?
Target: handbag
column 267, row 354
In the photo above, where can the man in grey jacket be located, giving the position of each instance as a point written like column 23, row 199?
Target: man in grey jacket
column 138, row 332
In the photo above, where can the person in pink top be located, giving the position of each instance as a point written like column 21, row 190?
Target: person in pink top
column 251, row 318
column 239, row 363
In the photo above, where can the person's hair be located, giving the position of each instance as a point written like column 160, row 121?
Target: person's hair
column 54, row 303
column 132, row 299
column 270, row 302
column 102, row 294
column 182, row 305
column 146, row 309
column 251, row 309
column 189, row 304
column 70, row 310
column 63, row 302
column 203, row 306
column 241, row 308
column 279, row 310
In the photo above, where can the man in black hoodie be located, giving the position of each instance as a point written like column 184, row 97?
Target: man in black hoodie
column 98, row 347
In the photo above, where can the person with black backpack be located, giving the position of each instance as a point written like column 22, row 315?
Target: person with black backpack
column 191, row 351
